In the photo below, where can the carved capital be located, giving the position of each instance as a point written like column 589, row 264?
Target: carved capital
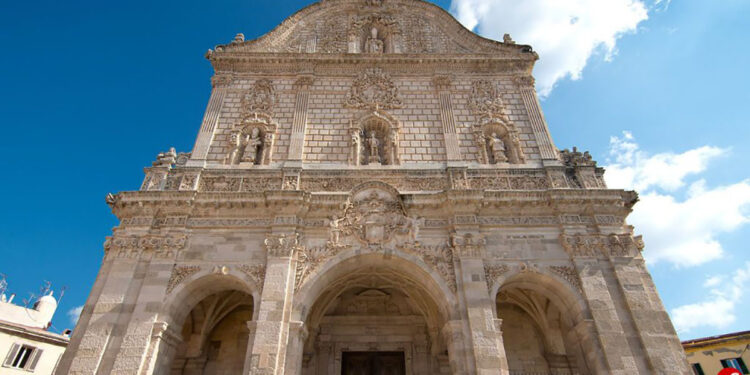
column 282, row 245
column 442, row 82
column 526, row 82
column 304, row 82
column 468, row 245
column 221, row 80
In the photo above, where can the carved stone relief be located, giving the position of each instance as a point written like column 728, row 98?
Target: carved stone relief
column 373, row 90
column 256, row 274
column 135, row 246
column 595, row 245
column 180, row 273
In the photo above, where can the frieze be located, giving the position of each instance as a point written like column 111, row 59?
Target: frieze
column 180, row 273
column 229, row 222
column 518, row 220
column 595, row 245
column 335, row 183
column 134, row 246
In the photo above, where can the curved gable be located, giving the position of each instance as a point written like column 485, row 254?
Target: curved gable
column 345, row 26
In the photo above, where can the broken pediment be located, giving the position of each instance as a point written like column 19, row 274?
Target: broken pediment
column 374, row 27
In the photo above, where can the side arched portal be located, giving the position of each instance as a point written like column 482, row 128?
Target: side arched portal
column 206, row 322
column 544, row 325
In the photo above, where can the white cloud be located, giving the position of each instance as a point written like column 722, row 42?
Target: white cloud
column 718, row 311
column 565, row 33
column 74, row 314
column 684, row 231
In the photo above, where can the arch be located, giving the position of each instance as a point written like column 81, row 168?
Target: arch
column 558, row 313
column 223, row 284
column 200, row 285
column 342, row 265
column 381, row 126
column 338, row 302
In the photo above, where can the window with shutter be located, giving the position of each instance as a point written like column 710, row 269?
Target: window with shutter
column 697, row 369
column 34, row 359
column 11, row 355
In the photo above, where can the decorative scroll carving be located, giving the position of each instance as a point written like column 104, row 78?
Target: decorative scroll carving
column 309, row 259
column 260, row 99
column 373, row 90
column 134, row 246
column 439, row 257
column 282, row 245
column 486, row 102
column 568, row 274
column 180, row 273
column 256, row 273
column 493, row 272
column 468, row 244
column 594, row 245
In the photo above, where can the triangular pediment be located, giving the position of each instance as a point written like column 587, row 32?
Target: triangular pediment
column 373, row 27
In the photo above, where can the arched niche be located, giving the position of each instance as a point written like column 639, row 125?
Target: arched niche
column 373, row 303
column 374, row 139
column 545, row 327
column 374, row 34
column 498, row 143
column 205, row 325
column 251, row 141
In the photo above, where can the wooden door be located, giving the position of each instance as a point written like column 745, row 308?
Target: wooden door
column 373, row 363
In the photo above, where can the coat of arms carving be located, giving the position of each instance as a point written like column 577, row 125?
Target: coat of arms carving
column 373, row 89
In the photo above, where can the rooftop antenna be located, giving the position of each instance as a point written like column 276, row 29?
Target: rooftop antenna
column 3, row 284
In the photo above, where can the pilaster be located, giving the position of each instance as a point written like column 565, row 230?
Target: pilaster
column 443, row 87
column 536, row 117
column 267, row 353
column 220, row 84
column 299, row 123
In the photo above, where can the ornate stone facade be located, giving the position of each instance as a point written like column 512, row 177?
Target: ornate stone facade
column 371, row 177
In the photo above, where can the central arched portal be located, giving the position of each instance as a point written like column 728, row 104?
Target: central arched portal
column 375, row 314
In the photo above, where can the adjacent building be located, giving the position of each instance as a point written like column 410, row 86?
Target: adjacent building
column 373, row 189
column 709, row 355
column 26, row 346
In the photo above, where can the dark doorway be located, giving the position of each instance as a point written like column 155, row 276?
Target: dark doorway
column 373, row 363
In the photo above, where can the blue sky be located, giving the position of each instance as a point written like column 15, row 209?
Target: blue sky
column 92, row 91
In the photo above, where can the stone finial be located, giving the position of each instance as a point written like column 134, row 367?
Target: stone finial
column 239, row 38
column 508, row 40
column 576, row 158
column 165, row 159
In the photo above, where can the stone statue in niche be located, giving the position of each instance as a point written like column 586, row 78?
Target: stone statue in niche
column 252, row 146
column 373, row 44
column 238, row 142
column 373, row 146
column 497, row 148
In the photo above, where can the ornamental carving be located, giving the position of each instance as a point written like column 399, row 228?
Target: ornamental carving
column 468, row 244
column 438, row 257
column 134, row 246
column 260, row 99
column 256, row 274
column 595, row 245
column 180, row 273
column 282, row 245
column 576, row 158
column 373, row 90
column 568, row 274
column 374, row 214
column 308, row 261
column 493, row 272
column 485, row 101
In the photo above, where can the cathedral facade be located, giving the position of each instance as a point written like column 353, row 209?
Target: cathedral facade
column 373, row 190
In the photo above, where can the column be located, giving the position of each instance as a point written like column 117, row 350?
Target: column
column 443, row 86
column 268, row 351
column 211, row 117
column 299, row 123
column 295, row 348
column 536, row 117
